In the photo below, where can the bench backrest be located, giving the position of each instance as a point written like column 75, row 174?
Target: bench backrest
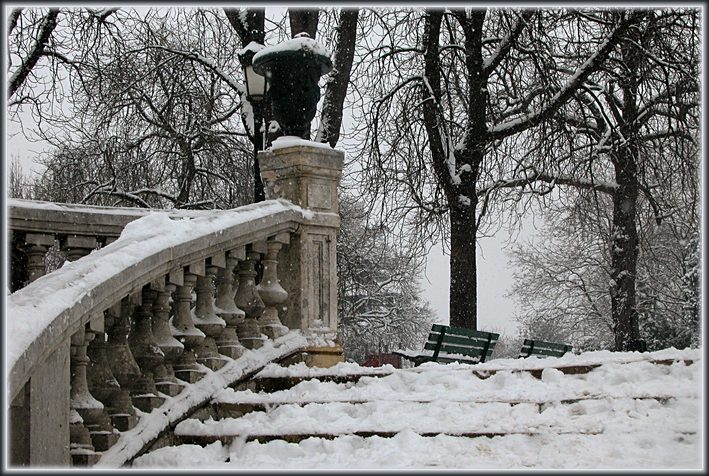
column 543, row 348
column 456, row 340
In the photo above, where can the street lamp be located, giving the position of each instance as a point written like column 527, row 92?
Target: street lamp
column 256, row 90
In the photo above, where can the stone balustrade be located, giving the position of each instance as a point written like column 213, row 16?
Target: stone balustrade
column 150, row 301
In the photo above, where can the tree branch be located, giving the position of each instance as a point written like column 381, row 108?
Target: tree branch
column 49, row 23
column 574, row 82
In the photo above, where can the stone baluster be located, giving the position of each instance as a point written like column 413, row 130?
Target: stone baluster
column 250, row 302
column 206, row 320
column 76, row 246
column 104, row 386
column 36, row 247
column 147, row 353
column 92, row 412
column 228, row 342
column 271, row 291
column 122, row 365
column 81, row 448
column 184, row 330
column 82, row 402
column 172, row 348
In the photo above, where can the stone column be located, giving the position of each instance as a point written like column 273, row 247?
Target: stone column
column 122, row 365
column 308, row 174
column 76, row 246
column 149, row 356
column 86, row 411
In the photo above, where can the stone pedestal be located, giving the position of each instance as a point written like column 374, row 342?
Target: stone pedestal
column 308, row 174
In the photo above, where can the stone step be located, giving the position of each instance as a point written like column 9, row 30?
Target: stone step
column 466, row 418
column 204, row 440
column 275, row 384
column 568, row 369
column 236, row 409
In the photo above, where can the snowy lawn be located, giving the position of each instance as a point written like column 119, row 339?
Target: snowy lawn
column 628, row 413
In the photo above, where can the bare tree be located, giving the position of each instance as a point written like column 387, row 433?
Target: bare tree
column 379, row 306
column 632, row 134
column 465, row 86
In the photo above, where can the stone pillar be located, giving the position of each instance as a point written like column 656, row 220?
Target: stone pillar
column 87, row 411
column 271, row 291
column 122, row 364
column 104, row 386
column 308, row 174
column 76, row 246
column 36, row 246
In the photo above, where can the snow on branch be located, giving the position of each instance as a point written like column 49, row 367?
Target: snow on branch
column 526, row 179
column 506, row 44
column 204, row 61
column 573, row 83
column 446, row 142
column 49, row 23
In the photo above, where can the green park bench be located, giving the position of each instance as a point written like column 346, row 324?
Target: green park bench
column 454, row 344
column 543, row 349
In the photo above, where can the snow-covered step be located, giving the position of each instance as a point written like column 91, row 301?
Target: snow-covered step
column 409, row 450
column 641, row 379
column 624, row 412
column 274, row 377
column 387, row 418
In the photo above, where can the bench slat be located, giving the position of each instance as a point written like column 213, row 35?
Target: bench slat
column 462, row 341
column 543, row 348
column 452, row 349
column 546, row 345
column 459, row 331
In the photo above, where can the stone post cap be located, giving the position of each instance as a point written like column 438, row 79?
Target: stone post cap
column 304, row 172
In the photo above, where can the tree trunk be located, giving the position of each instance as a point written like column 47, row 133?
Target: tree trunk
column 624, row 236
column 463, row 267
column 303, row 20
column 250, row 26
column 624, row 254
column 336, row 87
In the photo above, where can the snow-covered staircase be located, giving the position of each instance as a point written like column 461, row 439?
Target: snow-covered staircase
column 596, row 410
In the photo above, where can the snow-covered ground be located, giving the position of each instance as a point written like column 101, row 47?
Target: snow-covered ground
column 628, row 413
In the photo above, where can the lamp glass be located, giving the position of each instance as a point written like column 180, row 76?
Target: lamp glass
column 256, row 85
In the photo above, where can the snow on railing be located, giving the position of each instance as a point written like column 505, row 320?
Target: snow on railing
column 146, row 302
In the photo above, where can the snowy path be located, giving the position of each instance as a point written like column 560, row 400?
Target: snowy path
column 627, row 413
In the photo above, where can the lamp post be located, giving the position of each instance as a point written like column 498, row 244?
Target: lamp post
column 256, row 89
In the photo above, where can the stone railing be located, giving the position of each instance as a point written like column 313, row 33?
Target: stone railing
column 149, row 301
